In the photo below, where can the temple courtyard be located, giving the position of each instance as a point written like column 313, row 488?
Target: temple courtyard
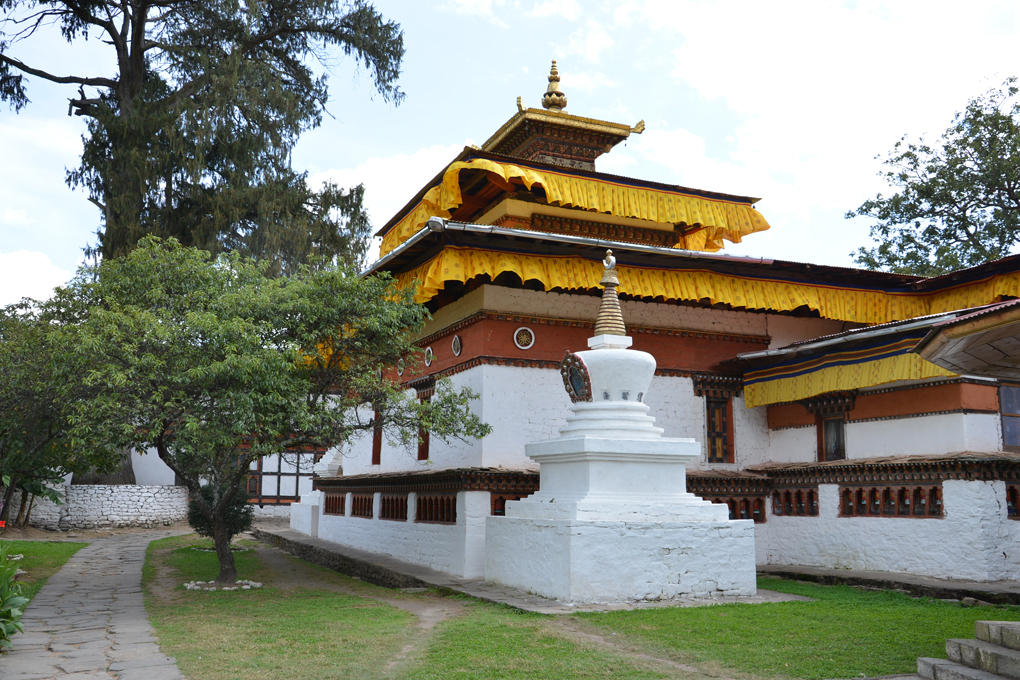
column 114, row 605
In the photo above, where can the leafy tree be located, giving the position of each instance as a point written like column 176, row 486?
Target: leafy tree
column 191, row 137
column 957, row 202
column 238, row 514
column 214, row 365
column 39, row 387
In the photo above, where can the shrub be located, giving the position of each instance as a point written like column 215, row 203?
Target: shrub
column 239, row 512
column 12, row 603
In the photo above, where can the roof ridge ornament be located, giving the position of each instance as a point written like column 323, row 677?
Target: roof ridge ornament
column 554, row 99
column 610, row 318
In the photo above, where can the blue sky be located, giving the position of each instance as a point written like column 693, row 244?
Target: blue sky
column 788, row 101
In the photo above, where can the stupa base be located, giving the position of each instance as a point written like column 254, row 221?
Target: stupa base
column 586, row 561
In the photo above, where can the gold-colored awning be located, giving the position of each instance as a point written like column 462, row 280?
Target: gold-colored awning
column 707, row 221
column 861, row 305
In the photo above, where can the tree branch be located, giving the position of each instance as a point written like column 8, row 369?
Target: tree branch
column 63, row 80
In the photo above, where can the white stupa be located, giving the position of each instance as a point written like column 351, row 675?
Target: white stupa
column 613, row 519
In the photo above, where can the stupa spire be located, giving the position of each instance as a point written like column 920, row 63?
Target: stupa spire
column 610, row 318
column 554, row 99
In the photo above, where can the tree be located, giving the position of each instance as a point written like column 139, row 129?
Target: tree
column 214, row 365
column 37, row 392
column 191, row 137
column 958, row 201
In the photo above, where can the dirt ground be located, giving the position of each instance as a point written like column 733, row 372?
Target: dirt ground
column 34, row 534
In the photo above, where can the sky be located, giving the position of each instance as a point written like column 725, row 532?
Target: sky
column 793, row 102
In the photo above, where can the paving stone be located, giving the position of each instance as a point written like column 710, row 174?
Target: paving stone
column 89, row 617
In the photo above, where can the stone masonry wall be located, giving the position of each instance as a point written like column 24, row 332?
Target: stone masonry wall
column 90, row 506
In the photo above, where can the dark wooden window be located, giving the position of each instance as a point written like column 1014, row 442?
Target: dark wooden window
column 719, row 435
column 917, row 501
column 436, row 508
column 393, row 506
column 832, row 438
column 425, row 395
column 1011, row 501
column 1009, row 405
column 333, row 503
column 361, row 505
column 498, row 501
column 376, row 441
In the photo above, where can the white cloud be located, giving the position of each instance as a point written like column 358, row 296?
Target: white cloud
column 568, row 9
column 589, row 42
column 478, row 8
column 585, row 81
column 28, row 274
column 391, row 182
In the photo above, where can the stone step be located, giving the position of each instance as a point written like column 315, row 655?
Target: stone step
column 985, row 656
column 943, row 669
column 1004, row 633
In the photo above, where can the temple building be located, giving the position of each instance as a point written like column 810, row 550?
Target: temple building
column 860, row 419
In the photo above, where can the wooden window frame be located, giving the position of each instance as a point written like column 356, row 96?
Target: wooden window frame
column 1003, row 415
column 376, row 440
column 726, row 435
column 820, row 421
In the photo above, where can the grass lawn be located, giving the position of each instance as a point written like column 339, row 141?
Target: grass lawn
column 844, row 633
column 309, row 623
column 42, row 560
column 314, row 633
column 499, row 642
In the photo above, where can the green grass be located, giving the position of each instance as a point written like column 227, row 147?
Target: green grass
column 42, row 560
column 844, row 633
column 267, row 633
column 498, row 642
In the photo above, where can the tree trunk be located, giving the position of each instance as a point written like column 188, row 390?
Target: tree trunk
column 5, row 510
column 228, row 572
column 28, row 513
column 21, row 510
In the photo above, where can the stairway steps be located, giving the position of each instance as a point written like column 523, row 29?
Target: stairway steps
column 985, row 656
column 943, row 669
column 1004, row 633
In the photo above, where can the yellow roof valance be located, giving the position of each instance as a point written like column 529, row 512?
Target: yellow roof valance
column 860, row 305
column 714, row 219
column 881, row 361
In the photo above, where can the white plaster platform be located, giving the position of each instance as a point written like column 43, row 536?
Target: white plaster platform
column 601, row 561
column 390, row 572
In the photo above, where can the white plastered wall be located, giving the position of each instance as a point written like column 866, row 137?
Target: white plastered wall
column 923, row 435
column 457, row 549
column 150, row 470
column 973, row 541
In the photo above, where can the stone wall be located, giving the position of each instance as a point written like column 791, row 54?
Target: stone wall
column 90, row 506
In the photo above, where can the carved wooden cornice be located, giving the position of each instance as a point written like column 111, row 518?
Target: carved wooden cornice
column 717, row 386
column 830, row 403
column 462, row 479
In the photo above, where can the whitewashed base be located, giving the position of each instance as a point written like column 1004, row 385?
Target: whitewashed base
column 608, row 561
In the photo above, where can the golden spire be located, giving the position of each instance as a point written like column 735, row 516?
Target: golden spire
column 610, row 319
column 554, row 99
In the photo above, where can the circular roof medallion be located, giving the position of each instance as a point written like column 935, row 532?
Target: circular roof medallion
column 429, row 356
column 457, row 345
column 524, row 337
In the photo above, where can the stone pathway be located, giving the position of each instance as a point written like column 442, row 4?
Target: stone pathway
column 89, row 620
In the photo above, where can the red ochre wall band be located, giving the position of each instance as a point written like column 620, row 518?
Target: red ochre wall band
column 491, row 336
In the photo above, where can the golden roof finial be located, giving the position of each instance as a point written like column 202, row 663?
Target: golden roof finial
column 554, row 99
column 610, row 319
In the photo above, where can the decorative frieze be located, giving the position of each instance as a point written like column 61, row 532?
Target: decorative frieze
column 717, row 386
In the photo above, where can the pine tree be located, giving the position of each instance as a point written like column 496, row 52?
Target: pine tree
column 192, row 137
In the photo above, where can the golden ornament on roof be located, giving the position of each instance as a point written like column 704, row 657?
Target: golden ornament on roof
column 554, row 99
